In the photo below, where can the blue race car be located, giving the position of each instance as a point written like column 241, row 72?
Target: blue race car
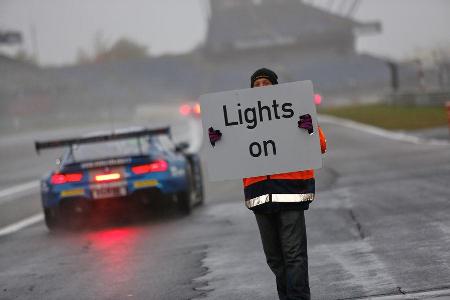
column 142, row 165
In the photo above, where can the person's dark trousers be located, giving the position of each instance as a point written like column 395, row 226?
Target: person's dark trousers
column 283, row 236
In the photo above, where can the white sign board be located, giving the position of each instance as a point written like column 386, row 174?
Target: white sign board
column 260, row 134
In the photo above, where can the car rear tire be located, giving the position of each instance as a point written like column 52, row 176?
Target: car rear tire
column 51, row 219
column 184, row 203
column 200, row 192
column 184, row 198
column 197, row 180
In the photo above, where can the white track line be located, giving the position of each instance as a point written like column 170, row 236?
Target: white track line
column 413, row 295
column 398, row 136
column 21, row 224
column 6, row 195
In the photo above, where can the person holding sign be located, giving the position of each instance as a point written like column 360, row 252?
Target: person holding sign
column 279, row 202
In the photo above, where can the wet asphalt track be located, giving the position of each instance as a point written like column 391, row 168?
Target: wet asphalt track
column 379, row 227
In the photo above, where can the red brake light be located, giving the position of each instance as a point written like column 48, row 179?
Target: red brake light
column 156, row 166
column 59, row 178
column 197, row 110
column 185, row 109
column 107, row 177
column 317, row 99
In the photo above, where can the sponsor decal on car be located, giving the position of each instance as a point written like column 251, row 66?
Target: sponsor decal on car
column 104, row 163
column 146, row 183
column 177, row 172
column 73, row 192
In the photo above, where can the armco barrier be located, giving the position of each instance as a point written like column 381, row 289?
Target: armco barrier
column 447, row 105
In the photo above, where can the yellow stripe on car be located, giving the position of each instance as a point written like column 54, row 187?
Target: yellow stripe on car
column 74, row 192
column 145, row 183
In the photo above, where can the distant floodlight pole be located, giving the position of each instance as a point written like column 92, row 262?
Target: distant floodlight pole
column 330, row 5
column 34, row 43
column 354, row 6
column 393, row 68
column 341, row 8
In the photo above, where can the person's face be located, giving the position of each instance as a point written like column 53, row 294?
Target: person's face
column 262, row 82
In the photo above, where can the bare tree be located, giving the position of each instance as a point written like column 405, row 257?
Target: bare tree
column 23, row 56
column 83, row 57
column 123, row 49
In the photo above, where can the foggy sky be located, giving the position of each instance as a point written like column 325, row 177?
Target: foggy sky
column 174, row 26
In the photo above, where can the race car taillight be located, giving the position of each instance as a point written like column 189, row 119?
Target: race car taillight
column 156, row 166
column 107, row 177
column 59, row 178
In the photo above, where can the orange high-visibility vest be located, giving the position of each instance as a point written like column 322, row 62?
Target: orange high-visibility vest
column 293, row 187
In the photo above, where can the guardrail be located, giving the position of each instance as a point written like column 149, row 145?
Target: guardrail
column 419, row 98
column 447, row 105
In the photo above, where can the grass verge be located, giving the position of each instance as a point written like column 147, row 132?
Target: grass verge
column 391, row 117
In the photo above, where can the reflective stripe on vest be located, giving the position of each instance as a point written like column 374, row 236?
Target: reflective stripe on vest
column 281, row 198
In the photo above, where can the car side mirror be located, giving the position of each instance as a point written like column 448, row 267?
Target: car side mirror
column 180, row 147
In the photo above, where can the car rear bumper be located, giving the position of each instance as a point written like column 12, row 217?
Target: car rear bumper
column 124, row 189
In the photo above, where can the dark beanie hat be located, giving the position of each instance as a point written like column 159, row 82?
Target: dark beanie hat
column 264, row 73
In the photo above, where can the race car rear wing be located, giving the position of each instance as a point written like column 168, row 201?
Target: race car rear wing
column 39, row 145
